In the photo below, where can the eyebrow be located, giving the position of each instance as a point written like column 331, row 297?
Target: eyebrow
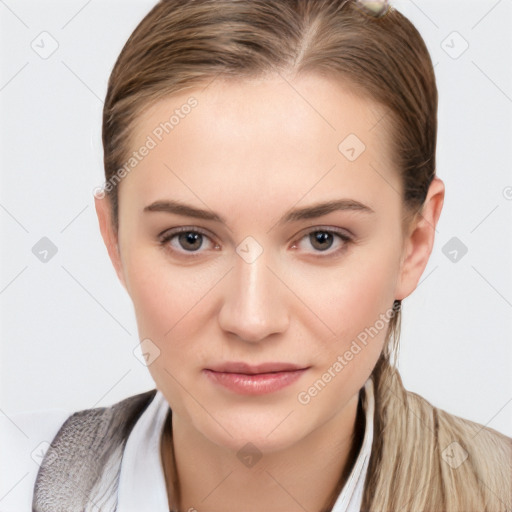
column 293, row 215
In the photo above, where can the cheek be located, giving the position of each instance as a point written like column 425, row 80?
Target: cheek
column 358, row 309
column 352, row 296
column 163, row 295
column 172, row 308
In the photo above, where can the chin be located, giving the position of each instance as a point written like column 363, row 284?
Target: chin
column 266, row 432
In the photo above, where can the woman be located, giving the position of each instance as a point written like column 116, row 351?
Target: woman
column 270, row 200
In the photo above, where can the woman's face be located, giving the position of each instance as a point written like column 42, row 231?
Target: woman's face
column 290, row 255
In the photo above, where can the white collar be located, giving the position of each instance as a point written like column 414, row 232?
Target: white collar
column 142, row 483
column 351, row 496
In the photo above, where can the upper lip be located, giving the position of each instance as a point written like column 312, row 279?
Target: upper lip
column 270, row 367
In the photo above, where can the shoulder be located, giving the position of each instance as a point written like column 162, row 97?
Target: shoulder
column 24, row 440
column 30, row 441
column 425, row 458
column 471, row 436
column 486, row 450
column 471, row 453
column 95, row 429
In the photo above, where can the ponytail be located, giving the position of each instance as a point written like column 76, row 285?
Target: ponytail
column 424, row 459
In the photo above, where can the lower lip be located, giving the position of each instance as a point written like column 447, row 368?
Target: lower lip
column 258, row 384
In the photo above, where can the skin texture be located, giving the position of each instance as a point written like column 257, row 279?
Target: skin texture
column 250, row 151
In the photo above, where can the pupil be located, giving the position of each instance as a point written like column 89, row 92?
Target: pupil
column 321, row 240
column 191, row 241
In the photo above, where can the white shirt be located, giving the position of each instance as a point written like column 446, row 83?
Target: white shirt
column 24, row 438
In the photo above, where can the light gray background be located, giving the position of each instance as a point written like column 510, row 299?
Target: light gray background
column 68, row 329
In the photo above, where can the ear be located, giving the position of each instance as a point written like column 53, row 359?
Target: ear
column 419, row 241
column 110, row 236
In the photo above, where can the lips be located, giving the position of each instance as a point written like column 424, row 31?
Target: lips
column 248, row 369
column 245, row 379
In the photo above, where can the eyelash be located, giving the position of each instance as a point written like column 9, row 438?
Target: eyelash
column 169, row 235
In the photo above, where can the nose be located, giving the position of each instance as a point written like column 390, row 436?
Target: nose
column 254, row 306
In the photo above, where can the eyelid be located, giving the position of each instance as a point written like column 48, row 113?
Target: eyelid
column 183, row 229
column 329, row 229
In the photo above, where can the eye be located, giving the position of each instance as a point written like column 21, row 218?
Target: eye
column 194, row 241
column 187, row 240
column 323, row 240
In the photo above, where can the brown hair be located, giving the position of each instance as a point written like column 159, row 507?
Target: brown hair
column 182, row 44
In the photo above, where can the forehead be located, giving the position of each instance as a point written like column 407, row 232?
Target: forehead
column 253, row 136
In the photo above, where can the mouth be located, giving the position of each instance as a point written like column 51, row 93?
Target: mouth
column 261, row 379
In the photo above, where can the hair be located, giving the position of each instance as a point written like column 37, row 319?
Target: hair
column 183, row 44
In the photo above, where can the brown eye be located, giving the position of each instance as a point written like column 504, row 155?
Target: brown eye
column 321, row 240
column 324, row 242
column 185, row 241
column 190, row 241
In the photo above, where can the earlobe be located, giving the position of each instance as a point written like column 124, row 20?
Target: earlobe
column 103, row 207
column 420, row 241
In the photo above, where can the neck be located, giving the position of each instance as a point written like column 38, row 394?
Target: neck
column 201, row 475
